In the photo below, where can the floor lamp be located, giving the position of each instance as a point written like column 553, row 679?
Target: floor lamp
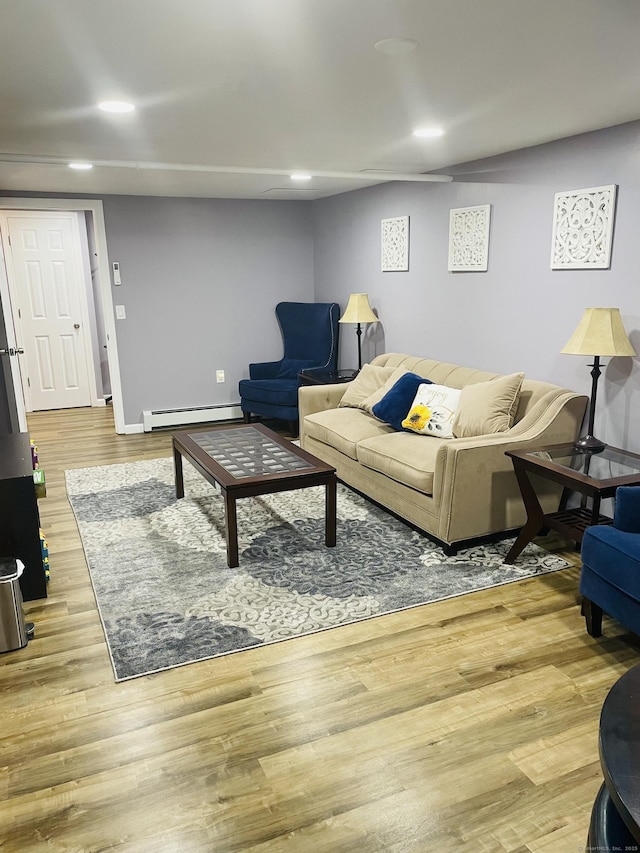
column 600, row 331
column 358, row 311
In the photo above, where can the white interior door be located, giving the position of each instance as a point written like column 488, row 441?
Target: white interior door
column 48, row 296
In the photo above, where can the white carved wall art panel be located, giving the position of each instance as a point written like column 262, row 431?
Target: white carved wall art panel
column 469, row 238
column 583, row 228
column 395, row 244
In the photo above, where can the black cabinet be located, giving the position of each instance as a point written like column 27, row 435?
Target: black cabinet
column 19, row 518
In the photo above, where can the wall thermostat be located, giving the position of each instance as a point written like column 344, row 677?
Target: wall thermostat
column 116, row 273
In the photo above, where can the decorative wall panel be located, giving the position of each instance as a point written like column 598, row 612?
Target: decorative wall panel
column 395, row 244
column 583, row 228
column 469, row 238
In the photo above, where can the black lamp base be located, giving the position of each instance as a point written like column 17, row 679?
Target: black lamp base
column 589, row 444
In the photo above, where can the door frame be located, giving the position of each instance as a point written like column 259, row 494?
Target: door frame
column 87, row 349
column 6, row 318
column 94, row 206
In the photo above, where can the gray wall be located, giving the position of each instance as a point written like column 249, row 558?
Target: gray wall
column 200, row 280
column 518, row 314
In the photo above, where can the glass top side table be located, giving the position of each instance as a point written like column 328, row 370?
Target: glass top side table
column 593, row 475
column 609, row 464
column 327, row 377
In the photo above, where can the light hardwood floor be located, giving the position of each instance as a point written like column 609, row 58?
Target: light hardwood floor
column 465, row 725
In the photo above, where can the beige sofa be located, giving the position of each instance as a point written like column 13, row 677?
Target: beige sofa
column 454, row 489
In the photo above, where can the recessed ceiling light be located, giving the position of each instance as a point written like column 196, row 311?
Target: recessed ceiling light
column 298, row 176
column 116, row 107
column 81, row 166
column 398, row 46
column 428, row 132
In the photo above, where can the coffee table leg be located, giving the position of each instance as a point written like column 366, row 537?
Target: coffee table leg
column 177, row 465
column 231, row 527
column 330, row 513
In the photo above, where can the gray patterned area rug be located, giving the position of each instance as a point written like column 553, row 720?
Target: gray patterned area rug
column 167, row 597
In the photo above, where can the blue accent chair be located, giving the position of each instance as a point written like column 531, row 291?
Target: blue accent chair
column 310, row 337
column 610, row 577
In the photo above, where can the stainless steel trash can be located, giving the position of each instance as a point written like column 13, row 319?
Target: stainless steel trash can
column 13, row 631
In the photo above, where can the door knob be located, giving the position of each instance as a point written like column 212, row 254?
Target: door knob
column 76, row 325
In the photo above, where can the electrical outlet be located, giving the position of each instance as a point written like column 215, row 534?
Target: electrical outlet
column 219, row 375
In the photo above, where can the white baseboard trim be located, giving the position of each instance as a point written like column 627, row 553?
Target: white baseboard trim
column 162, row 418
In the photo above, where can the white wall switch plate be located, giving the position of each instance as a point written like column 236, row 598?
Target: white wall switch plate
column 219, row 375
column 121, row 314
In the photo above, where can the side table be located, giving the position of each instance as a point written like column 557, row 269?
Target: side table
column 328, row 377
column 593, row 475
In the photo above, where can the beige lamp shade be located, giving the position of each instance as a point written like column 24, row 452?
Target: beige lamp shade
column 358, row 310
column 600, row 332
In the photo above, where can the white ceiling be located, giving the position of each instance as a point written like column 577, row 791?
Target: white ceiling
column 286, row 85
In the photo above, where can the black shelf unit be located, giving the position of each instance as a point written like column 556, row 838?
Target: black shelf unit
column 19, row 516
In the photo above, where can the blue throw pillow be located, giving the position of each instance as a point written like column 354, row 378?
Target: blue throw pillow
column 395, row 404
column 291, row 367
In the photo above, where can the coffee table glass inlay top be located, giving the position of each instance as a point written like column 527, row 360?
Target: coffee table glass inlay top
column 248, row 460
column 248, row 453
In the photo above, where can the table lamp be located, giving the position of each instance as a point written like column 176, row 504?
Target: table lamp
column 599, row 331
column 358, row 311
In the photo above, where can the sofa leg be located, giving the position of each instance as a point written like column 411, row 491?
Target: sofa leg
column 293, row 428
column 450, row 550
column 593, row 617
column 246, row 417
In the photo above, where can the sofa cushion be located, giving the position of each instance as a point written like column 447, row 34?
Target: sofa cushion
column 433, row 410
column 278, row 392
column 393, row 407
column 370, row 380
column 343, row 428
column 402, row 457
column 488, row 407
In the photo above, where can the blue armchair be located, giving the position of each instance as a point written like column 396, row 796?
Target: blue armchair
column 610, row 577
column 310, row 337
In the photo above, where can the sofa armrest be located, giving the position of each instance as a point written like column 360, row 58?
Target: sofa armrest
column 474, row 477
column 264, row 369
column 626, row 515
column 318, row 398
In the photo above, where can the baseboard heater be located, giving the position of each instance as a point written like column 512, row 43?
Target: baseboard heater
column 161, row 418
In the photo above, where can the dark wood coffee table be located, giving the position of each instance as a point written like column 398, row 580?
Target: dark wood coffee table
column 247, row 460
column 593, row 475
column 620, row 750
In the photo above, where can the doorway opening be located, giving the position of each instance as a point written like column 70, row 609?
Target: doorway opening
column 98, row 347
